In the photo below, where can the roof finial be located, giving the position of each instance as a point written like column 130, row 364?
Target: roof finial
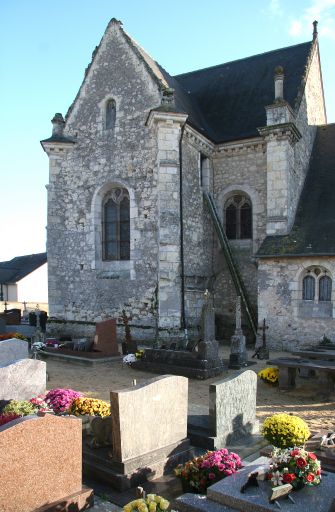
column 315, row 30
column 168, row 99
column 279, row 84
column 58, row 124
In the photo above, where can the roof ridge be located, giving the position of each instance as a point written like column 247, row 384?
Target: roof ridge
column 242, row 59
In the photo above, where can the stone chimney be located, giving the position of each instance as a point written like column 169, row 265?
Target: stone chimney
column 58, row 124
column 279, row 84
column 315, row 30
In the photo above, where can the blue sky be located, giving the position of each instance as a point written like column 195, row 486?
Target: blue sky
column 46, row 46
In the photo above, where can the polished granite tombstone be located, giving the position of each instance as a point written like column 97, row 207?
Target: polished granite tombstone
column 226, row 496
column 149, row 434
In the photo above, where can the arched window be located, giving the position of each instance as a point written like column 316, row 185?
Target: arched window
column 110, row 114
column 116, row 225
column 238, row 217
column 325, row 288
column 308, row 288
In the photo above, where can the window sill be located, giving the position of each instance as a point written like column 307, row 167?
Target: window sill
column 116, row 269
column 313, row 309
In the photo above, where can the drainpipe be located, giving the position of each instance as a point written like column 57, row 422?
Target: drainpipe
column 182, row 271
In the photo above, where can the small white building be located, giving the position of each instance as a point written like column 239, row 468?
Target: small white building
column 24, row 279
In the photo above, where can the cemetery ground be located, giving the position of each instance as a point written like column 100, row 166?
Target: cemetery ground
column 98, row 380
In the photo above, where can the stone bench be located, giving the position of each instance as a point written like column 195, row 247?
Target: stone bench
column 288, row 366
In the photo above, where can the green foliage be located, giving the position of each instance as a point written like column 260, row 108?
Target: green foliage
column 20, row 407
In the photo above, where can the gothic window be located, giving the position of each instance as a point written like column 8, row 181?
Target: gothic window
column 116, row 225
column 238, row 217
column 110, row 114
column 325, row 288
column 308, row 288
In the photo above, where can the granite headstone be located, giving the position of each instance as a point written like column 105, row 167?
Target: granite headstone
column 12, row 350
column 105, row 339
column 22, row 379
column 41, row 465
column 149, row 430
column 232, row 408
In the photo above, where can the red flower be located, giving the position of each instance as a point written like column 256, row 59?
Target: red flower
column 269, row 476
column 318, row 472
column 310, row 477
column 211, row 476
column 294, row 453
column 301, row 463
column 288, row 477
column 312, row 455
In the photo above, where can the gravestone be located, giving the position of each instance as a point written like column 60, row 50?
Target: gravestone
column 226, row 495
column 149, row 431
column 208, row 348
column 105, row 339
column 231, row 417
column 41, row 465
column 238, row 352
column 22, row 379
column 232, row 407
column 12, row 350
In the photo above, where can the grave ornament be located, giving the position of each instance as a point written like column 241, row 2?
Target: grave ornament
column 238, row 353
column 261, row 349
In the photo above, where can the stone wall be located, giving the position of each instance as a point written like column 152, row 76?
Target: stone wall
column 82, row 286
column 280, row 303
column 198, row 228
column 238, row 168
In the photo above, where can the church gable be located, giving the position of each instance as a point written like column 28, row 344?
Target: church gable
column 120, row 74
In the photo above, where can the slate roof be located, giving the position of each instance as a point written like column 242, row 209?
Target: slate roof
column 16, row 269
column 313, row 232
column 226, row 102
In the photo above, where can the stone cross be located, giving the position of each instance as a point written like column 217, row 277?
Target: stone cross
column 238, row 352
column 261, row 349
column 238, row 327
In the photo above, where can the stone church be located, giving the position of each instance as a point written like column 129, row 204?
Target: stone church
column 162, row 187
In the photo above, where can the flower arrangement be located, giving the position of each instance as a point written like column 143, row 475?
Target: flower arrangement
column 60, row 400
column 10, row 335
column 269, row 375
column 90, row 406
column 201, row 472
column 129, row 359
column 296, row 467
column 152, row 503
column 139, row 354
column 40, row 403
column 284, row 431
column 6, row 418
column 20, row 408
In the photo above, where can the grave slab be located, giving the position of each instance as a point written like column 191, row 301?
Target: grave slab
column 256, row 499
column 41, row 465
column 12, row 350
column 23, row 379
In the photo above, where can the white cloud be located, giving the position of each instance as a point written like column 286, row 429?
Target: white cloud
column 322, row 11
column 274, row 8
column 295, row 28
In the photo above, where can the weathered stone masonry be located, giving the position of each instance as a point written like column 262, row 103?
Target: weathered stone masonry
column 141, row 152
